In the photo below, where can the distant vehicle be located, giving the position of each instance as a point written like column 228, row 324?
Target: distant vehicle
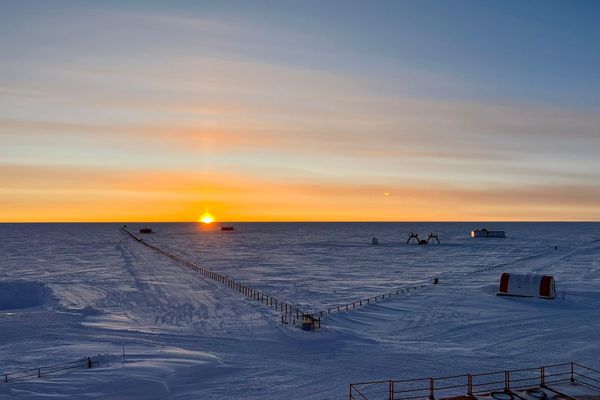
column 227, row 228
column 485, row 233
column 146, row 230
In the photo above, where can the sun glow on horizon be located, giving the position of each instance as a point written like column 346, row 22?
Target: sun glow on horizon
column 206, row 218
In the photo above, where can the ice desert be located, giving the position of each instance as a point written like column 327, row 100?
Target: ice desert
column 74, row 290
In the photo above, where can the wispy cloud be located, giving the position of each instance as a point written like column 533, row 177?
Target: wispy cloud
column 181, row 110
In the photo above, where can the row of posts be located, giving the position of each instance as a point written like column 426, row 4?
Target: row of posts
column 542, row 383
column 363, row 302
column 89, row 364
column 308, row 320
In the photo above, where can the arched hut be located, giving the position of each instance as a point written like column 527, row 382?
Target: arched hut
column 527, row 285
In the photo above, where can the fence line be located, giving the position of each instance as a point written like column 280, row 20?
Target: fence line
column 38, row 372
column 289, row 314
column 468, row 384
column 363, row 302
column 504, row 264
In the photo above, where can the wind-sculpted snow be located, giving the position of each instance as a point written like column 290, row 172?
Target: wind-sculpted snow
column 188, row 337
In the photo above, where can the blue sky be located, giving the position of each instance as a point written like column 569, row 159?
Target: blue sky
column 457, row 100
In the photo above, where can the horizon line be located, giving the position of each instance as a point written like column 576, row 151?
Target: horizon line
column 298, row 222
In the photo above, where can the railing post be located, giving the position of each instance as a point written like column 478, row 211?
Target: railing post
column 431, row 389
column 542, row 377
column 350, row 393
column 506, row 381
column 391, row 390
column 469, row 385
column 572, row 373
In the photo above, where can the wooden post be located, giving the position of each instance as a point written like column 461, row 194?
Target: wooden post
column 391, row 390
column 6, row 378
column 89, row 361
column 506, row 381
column 39, row 373
column 542, row 377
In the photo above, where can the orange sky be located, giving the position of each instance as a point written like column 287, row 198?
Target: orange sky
column 68, row 194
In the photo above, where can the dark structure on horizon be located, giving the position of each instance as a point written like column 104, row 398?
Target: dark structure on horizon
column 415, row 236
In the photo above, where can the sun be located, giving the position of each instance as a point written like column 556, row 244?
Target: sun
column 206, row 218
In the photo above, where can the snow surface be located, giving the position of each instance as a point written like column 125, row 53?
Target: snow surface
column 72, row 290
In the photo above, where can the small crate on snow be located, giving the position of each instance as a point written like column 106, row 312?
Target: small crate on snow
column 527, row 285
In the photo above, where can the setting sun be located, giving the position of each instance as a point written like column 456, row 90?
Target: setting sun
column 206, row 218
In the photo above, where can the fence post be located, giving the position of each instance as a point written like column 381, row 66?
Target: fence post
column 469, row 385
column 431, row 389
column 572, row 373
column 542, row 377
column 506, row 381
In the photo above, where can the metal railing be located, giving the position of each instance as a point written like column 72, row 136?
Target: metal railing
column 39, row 372
column 470, row 384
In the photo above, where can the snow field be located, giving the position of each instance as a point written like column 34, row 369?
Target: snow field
column 187, row 337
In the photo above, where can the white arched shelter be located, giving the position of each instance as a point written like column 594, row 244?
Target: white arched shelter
column 527, row 285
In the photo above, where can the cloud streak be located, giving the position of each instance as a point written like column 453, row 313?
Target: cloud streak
column 176, row 111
